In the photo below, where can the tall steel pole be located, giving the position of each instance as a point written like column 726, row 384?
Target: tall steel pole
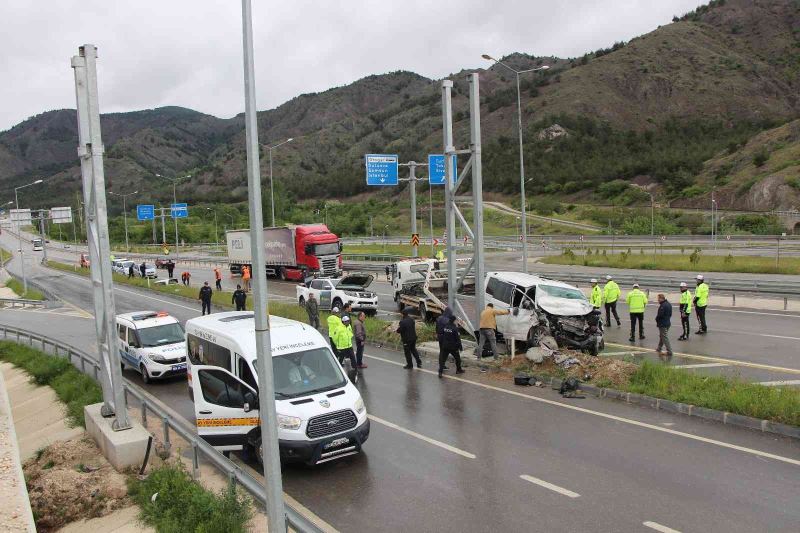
column 276, row 515
column 412, row 187
column 449, row 193
column 19, row 234
column 43, row 233
column 430, row 211
column 175, row 219
column 524, row 201
column 271, row 189
column 90, row 150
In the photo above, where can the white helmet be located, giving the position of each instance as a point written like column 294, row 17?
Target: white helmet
column 593, row 280
column 335, row 310
column 635, row 285
column 608, row 276
column 700, row 277
column 683, row 284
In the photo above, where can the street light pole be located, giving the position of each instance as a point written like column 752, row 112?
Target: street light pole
column 523, row 200
column 19, row 234
column 125, row 213
column 271, row 188
column 216, row 233
column 175, row 201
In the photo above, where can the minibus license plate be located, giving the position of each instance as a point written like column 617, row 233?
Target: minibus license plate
column 336, row 442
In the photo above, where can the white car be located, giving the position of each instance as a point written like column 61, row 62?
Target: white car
column 149, row 271
column 152, row 343
column 336, row 292
column 117, row 265
column 321, row 416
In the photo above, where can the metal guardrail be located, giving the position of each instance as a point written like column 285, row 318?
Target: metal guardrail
column 199, row 448
column 21, row 302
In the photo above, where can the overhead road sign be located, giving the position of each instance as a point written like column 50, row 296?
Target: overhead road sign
column 145, row 212
column 21, row 217
column 179, row 210
column 381, row 169
column 437, row 170
column 61, row 215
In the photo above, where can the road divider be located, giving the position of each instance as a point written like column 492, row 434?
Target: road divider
column 550, row 486
column 659, row 527
column 421, row 437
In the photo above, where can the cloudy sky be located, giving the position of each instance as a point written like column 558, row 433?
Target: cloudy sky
column 188, row 52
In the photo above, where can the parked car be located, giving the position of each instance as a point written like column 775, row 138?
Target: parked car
column 335, row 292
column 161, row 262
column 84, row 261
column 152, row 343
column 149, row 271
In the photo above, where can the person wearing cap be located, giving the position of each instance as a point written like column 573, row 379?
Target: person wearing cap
column 407, row 329
column 663, row 323
column 686, row 311
column 205, row 298
column 611, row 294
column 700, row 303
column 343, row 339
column 637, row 301
column 334, row 323
column 596, row 297
column 312, row 310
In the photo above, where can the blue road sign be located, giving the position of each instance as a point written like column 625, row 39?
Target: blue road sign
column 179, row 210
column 381, row 169
column 145, row 212
column 437, row 170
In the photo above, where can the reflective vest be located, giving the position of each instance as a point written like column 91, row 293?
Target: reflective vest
column 440, row 255
column 686, row 302
column 701, row 293
column 611, row 292
column 637, row 301
column 343, row 338
column 334, row 323
column 596, row 299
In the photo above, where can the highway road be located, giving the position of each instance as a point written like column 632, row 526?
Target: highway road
column 476, row 454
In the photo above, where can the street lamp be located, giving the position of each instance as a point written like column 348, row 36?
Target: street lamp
column 125, row 213
column 175, row 201
column 271, row 188
column 19, row 234
column 216, row 233
column 521, row 157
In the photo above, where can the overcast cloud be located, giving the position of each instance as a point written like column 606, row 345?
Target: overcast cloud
column 188, row 53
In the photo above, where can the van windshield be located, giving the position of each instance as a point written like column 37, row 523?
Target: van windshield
column 562, row 292
column 309, row 372
column 160, row 335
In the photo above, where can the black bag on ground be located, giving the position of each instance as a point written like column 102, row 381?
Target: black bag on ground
column 522, row 379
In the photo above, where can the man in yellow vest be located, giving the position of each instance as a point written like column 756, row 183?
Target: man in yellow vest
column 637, row 301
column 334, row 323
column 611, row 294
column 686, row 311
column 596, row 297
column 700, row 303
column 343, row 338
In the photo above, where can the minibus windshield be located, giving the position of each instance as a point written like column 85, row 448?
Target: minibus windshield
column 308, row 372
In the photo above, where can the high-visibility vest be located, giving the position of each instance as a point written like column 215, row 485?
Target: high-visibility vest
column 596, row 299
column 637, row 301
column 686, row 300
column 701, row 293
column 611, row 292
column 334, row 323
column 344, row 337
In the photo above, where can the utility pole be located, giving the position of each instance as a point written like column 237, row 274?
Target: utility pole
column 412, row 188
column 90, row 150
column 430, row 214
column 276, row 514
column 125, row 213
column 449, row 193
column 43, row 233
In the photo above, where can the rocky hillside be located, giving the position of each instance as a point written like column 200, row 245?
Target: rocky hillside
column 654, row 109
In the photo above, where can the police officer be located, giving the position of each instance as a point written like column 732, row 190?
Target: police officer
column 450, row 344
column 700, row 303
column 611, row 294
column 637, row 301
column 239, row 298
column 596, row 298
column 686, row 311
column 343, row 338
column 407, row 329
column 334, row 323
column 205, row 298
column 312, row 309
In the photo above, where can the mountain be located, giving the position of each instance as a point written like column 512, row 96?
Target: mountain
column 657, row 110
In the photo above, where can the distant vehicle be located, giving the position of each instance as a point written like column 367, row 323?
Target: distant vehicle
column 152, row 343
column 321, row 415
column 351, row 289
column 149, row 271
column 422, row 285
column 123, row 265
column 84, row 261
column 116, row 265
column 292, row 252
column 38, row 246
column 167, row 281
column 543, row 306
column 161, row 262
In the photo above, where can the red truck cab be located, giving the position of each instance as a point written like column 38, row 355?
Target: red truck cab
column 318, row 250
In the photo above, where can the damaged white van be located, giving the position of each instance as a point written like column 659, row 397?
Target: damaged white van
column 321, row 416
column 541, row 306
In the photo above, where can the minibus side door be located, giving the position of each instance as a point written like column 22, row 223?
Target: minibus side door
column 223, row 406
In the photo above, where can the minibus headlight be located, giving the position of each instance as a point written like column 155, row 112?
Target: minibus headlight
column 359, row 406
column 288, row 422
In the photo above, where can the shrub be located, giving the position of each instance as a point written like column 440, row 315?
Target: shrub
column 760, row 157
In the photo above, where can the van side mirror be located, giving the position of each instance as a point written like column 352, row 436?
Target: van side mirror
column 250, row 401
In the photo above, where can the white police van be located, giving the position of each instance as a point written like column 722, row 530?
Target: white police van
column 321, row 416
column 152, row 343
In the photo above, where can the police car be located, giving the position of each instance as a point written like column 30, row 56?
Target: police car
column 152, row 343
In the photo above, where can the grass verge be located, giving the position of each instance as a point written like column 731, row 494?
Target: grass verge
column 182, row 505
column 76, row 390
column 716, row 392
column 645, row 260
column 377, row 330
column 16, row 286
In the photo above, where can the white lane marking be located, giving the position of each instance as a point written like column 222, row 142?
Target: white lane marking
column 555, row 488
column 422, row 437
column 780, row 383
column 701, row 365
column 712, row 359
column 659, row 527
column 616, row 418
column 751, row 334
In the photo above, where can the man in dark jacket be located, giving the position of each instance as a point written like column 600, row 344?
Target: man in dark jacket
column 239, row 298
column 312, row 309
column 143, row 269
column 170, row 268
column 663, row 323
column 450, row 344
column 408, row 335
column 205, row 297
column 130, row 271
